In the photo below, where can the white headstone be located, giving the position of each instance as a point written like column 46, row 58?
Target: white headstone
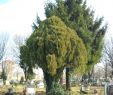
column 109, row 89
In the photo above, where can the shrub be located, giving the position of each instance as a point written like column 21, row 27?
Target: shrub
column 57, row 89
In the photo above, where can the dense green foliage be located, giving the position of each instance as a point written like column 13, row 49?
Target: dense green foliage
column 25, row 62
column 53, row 46
column 79, row 17
column 56, row 89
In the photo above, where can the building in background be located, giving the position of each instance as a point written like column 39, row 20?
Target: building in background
column 15, row 72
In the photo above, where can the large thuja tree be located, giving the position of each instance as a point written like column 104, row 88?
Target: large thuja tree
column 79, row 17
column 52, row 45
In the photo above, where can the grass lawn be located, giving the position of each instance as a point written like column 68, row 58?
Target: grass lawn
column 19, row 90
column 74, row 90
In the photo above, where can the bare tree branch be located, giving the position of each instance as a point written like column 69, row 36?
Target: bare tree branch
column 3, row 42
column 108, row 54
column 19, row 41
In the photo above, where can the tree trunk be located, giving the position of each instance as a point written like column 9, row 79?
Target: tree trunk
column 52, row 79
column 106, row 71
column 61, row 80
column 68, row 86
column 49, row 81
column 4, row 77
column 25, row 73
column 89, row 76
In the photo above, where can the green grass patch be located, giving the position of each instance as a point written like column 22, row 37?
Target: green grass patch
column 74, row 90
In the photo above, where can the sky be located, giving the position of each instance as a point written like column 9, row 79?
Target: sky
column 104, row 8
column 17, row 16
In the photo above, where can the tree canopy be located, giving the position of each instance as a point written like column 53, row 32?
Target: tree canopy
column 53, row 46
column 79, row 17
column 53, row 43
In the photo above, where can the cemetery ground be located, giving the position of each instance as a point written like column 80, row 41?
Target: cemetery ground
column 74, row 90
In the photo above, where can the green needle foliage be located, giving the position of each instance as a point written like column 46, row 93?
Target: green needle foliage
column 25, row 62
column 79, row 17
column 52, row 45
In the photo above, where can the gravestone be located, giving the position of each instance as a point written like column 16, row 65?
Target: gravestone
column 109, row 89
column 84, row 89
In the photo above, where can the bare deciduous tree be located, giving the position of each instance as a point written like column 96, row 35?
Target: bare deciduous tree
column 19, row 41
column 108, row 55
column 3, row 42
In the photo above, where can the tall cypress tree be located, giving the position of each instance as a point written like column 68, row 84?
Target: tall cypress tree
column 79, row 17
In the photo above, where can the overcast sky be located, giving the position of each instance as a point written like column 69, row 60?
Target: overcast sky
column 17, row 16
column 104, row 8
